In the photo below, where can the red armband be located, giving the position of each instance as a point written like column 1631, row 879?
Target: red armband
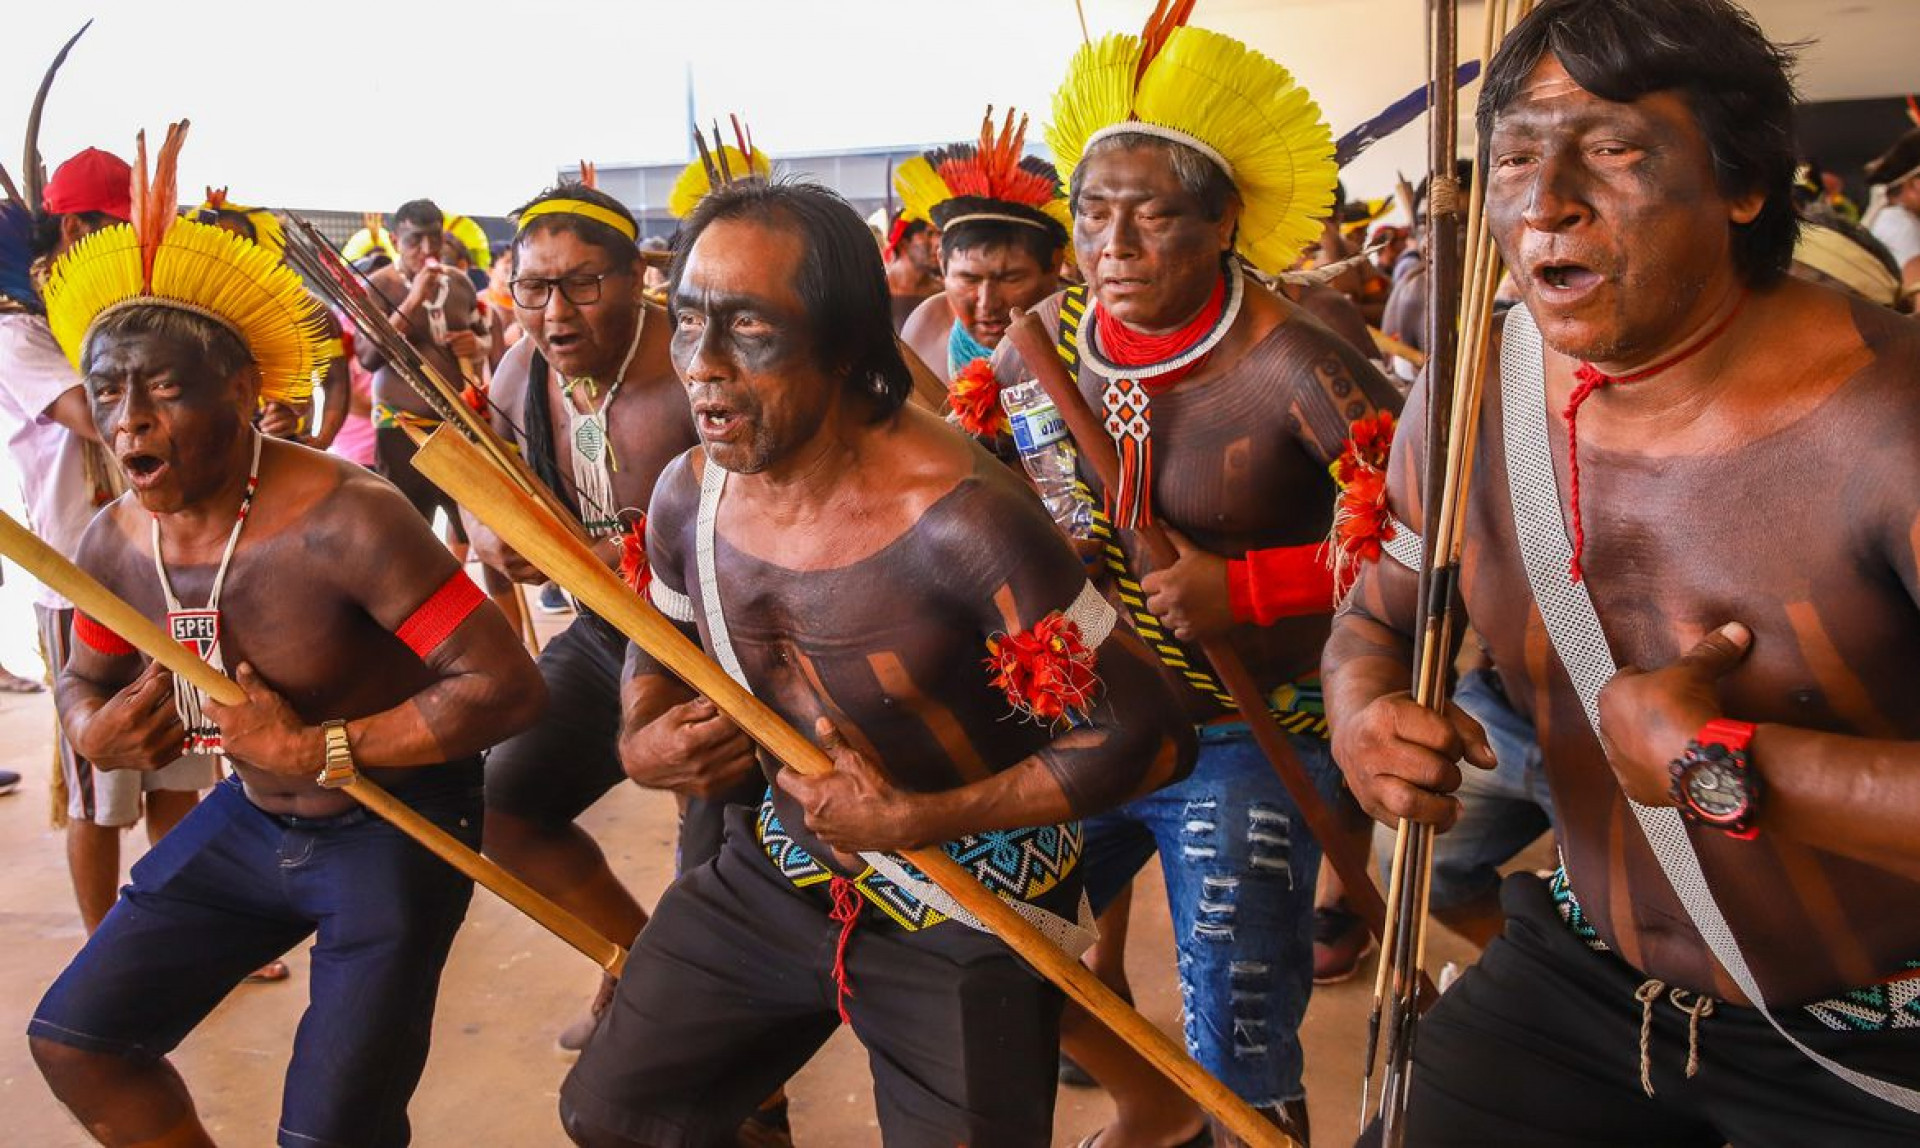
column 1285, row 582
column 98, row 638
column 440, row 615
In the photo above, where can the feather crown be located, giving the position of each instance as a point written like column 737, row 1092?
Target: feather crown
column 264, row 224
column 162, row 260
column 719, row 164
column 1214, row 94
column 992, row 179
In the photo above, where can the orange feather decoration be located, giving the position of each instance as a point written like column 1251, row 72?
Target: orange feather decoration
column 156, row 200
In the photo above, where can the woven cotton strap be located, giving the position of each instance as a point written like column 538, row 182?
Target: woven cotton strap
column 1573, row 625
column 1074, row 937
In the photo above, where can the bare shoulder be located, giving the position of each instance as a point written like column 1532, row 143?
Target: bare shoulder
column 676, row 493
column 508, row 390
column 926, row 332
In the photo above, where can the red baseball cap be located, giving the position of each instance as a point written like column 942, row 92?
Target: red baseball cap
column 94, row 180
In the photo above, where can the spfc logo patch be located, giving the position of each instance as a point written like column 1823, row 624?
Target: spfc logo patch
column 197, row 630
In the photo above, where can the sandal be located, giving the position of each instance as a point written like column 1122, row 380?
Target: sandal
column 273, row 972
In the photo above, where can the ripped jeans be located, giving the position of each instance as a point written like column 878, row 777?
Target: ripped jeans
column 1240, row 870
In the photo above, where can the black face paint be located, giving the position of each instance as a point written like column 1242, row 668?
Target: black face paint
column 171, row 424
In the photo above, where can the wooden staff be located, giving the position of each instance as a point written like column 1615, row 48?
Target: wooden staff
column 1090, row 438
column 105, row 607
column 458, row 468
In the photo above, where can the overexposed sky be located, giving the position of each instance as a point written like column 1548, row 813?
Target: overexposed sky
column 354, row 104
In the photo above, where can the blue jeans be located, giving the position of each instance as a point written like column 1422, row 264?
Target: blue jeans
column 1503, row 810
column 232, row 887
column 1240, row 870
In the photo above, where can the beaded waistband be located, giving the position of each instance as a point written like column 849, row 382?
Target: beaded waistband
column 1022, row 864
column 1876, row 1008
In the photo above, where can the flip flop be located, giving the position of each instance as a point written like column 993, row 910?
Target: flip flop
column 272, row 972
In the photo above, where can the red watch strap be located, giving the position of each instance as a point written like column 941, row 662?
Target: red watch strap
column 1724, row 731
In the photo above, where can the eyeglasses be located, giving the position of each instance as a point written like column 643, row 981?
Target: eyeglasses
column 580, row 290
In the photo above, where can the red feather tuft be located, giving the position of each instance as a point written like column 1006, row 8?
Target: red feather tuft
column 1046, row 672
column 156, row 201
column 996, row 166
column 974, row 399
column 635, row 570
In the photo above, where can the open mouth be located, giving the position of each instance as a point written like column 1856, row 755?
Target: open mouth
column 716, row 422
column 143, row 469
column 564, row 343
column 1566, row 279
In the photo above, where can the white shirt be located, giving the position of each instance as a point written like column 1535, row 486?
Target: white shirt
column 1899, row 229
column 55, row 481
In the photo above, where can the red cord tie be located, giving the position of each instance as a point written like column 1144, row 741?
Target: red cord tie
column 1588, row 379
column 846, row 910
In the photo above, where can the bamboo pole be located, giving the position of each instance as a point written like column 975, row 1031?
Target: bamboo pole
column 458, row 468
column 1030, row 338
column 103, row 606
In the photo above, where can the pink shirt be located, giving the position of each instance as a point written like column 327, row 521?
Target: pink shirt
column 63, row 477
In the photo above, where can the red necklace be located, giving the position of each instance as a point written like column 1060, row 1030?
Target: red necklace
column 1125, row 347
column 1588, row 379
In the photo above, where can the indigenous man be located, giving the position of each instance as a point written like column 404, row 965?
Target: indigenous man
column 912, row 254
column 1228, row 404
column 591, row 398
column 65, row 477
column 860, row 566
column 434, row 307
column 357, row 640
column 1002, row 237
column 1639, row 168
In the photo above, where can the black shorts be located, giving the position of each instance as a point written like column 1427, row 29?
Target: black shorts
column 393, row 455
column 1539, row 1045
column 552, row 773
column 730, row 990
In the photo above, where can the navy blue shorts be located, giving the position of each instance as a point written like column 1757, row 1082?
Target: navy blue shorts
column 231, row 888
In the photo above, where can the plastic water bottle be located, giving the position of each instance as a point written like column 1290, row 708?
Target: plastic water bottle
column 1047, row 452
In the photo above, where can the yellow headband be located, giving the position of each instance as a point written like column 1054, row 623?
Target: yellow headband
column 580, row 207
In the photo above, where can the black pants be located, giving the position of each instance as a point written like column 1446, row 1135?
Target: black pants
column 730, row 990
column 552, row 773
column 1539, row 1045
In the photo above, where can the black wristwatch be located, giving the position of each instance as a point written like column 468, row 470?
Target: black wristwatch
column 1714, row 782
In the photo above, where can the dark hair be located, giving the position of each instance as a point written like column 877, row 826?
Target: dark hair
column 424, row 214
column 911, row 228
column 973, row 235
column 840, row 281
column 1738, row 84
column 588, row 231
column 1199, row 176
column 219, row 348
column 46, row 229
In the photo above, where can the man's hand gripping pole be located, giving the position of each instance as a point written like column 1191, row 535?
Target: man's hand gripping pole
column 106, row 608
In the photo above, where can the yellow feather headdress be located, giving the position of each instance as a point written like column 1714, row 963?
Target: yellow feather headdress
column 371, row 237
column 990, row 179
column 264, row 224
column 161, row 260
column 1225, row 100
column 718, row 165
column 473, row 237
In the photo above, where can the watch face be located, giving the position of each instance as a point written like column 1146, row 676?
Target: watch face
column 1716, row 786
